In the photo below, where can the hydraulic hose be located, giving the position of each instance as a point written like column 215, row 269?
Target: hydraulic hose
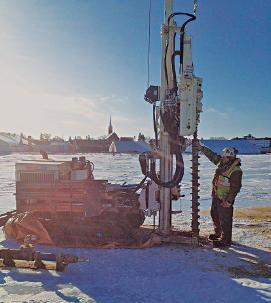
column 186, row 14
column 165, row 64
column 154, row 124
column 178, row 175
column 181, row 46
column 175, row 145
column 181, row 52
column 153, row 176
column 167, row 120
column 174, row 136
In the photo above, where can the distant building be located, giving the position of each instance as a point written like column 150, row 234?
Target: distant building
column 12, row 143
column 141, row 137
column 111, row 137
column 7, row 139
column 130, row 139
column 93, row 146
column 243, row 146
column 129, row 147
column 89, row 145
column 262, row 143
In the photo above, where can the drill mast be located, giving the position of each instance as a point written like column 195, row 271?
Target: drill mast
column 176, row 116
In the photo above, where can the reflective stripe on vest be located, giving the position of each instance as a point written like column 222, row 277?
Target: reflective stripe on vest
column 223, row 181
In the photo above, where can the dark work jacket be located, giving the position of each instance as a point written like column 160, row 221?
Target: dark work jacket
column 235, row 178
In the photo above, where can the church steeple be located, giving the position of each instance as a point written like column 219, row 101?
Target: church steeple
column 110, row 128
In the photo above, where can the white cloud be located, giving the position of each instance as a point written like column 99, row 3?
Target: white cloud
column 212, row 110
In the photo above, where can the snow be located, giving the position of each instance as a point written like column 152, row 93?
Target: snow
column 168, row 273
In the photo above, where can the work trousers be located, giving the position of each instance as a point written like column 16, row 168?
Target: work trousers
column 222, row 220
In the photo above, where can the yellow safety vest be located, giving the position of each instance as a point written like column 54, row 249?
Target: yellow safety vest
column 222, row 184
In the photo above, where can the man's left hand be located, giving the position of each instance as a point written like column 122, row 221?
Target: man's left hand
column 224, row 199
column 224, row 204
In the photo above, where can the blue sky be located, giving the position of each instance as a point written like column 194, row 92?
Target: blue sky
column 66, row 66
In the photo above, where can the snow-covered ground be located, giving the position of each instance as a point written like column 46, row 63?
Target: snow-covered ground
column 170, row 273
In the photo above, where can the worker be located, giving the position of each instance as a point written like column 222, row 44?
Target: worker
column 226, row 184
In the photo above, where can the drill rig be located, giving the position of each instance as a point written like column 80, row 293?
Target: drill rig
column 176, row 116
column 73, row 206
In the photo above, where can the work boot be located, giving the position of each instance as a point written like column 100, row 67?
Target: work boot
column 220, row 243
column 213, row 237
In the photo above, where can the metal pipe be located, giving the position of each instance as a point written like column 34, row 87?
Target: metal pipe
column 27, row 254
column 164, row 144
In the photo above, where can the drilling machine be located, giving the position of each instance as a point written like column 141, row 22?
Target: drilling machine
column 176, row 116
column 64, row 193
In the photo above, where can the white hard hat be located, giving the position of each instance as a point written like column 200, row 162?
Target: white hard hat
column 229, row 152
